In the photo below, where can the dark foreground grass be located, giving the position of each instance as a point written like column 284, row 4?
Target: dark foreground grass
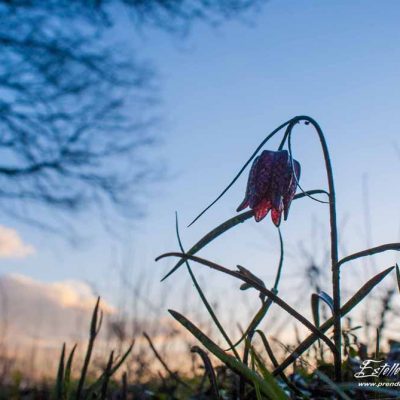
column 252, row 371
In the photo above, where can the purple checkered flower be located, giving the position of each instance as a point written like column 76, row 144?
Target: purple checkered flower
column 272, row 185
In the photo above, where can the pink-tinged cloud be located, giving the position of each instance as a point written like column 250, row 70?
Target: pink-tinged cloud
column 53, row 312
column 11, row 244
column 37, row 317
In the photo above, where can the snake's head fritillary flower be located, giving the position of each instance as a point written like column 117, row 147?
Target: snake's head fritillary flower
column 272, row 185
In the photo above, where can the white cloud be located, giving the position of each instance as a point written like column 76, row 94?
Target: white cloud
column 11, row 244
column 71, row 294
column 53, row 312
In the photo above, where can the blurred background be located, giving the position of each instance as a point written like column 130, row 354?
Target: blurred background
column 116, row 114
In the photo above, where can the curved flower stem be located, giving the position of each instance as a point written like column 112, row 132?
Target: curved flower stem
column 296, row 178
column 287, row 132
column 280, row 265
column 334, row 239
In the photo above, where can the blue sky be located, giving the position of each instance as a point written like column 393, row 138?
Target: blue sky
column 223, row 89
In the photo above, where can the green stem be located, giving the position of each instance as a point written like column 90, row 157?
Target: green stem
column 334, row 242
column 267, row 303
column 202, row 295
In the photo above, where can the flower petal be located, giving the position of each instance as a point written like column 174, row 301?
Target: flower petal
column 276, row 216
column 261, row 179
column 288, row 197
column 244, row 204
column 250, row 184
column 279, row 180
column 261, row 210
column 271, row 185
column 277, row 201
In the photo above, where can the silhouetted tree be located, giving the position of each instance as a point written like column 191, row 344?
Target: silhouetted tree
column 75, row 111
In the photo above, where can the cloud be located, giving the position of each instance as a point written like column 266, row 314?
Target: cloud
column 52, row 312
column 72, row 294
column 11, row 244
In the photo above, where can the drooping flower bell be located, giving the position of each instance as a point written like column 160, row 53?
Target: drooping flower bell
column 272, row 185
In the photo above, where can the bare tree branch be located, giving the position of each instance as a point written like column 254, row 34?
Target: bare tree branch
column 77, row 112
